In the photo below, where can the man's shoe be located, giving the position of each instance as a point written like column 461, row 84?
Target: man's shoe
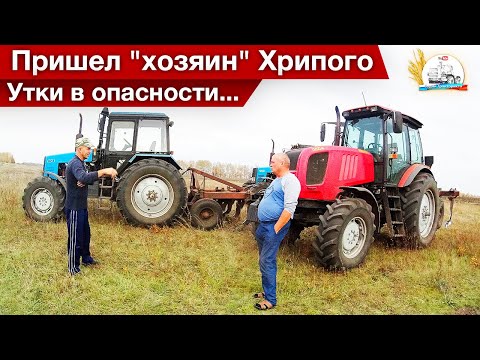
column 90, row 261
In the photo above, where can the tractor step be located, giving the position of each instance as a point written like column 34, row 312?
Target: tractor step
column 104, row 190
column 101, row 203
column 394, row 216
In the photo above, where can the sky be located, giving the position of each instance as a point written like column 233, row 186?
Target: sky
column 289, row 112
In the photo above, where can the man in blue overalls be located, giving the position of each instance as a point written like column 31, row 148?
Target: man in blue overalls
column 275, row 211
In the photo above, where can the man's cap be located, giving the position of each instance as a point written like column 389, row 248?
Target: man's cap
column 83, row 141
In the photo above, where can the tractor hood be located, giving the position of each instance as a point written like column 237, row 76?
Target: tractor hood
column 52, row 163
column 323, row 170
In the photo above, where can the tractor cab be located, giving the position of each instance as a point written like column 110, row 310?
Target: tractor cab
column 125, row 139
column 130, row 136
column 391, row 137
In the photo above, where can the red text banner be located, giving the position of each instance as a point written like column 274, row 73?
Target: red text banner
column 169, row 75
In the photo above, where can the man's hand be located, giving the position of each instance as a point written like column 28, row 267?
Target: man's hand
column 284, row 218
column 108, row 171
column 80, row 184
column 277, row 228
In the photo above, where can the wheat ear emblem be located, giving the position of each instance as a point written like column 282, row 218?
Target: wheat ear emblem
column 415, row 67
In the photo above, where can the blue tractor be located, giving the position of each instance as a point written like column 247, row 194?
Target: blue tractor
column 149, row 189
column 261, row 175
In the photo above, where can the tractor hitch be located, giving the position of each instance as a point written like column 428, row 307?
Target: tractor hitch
column 451, row 194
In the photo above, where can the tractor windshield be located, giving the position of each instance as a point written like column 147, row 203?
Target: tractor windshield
column 152, row 136
column 365, row 134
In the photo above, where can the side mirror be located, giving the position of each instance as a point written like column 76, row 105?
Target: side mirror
column 429, row 161
column 170, row 123
column 322, row 133
column 397, row 122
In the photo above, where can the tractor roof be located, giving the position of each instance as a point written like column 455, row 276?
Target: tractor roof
column 374, row 110
column 142, row 115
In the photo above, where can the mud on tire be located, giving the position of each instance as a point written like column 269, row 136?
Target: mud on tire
column 345, row 234
column 44, row 199
column 151, row 192
column 441, row 214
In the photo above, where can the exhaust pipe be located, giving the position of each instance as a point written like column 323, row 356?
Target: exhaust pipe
column 337, row 128
column 79, row 135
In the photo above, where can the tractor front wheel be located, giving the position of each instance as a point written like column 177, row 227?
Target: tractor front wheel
column 151, row 192
column 44, row 199
column 345, row 234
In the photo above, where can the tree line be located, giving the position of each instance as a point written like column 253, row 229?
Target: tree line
column 6, row 157
column 227, row 171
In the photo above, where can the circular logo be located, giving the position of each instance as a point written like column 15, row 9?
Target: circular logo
column 443, row 69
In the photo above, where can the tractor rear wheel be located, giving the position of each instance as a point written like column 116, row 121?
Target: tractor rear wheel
column 421, row 207
column 151, row 192
column 441, row 214
column 44, row 199
column 345, row 234
column 206, row 214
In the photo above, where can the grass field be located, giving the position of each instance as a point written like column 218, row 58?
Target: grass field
column 181, row 270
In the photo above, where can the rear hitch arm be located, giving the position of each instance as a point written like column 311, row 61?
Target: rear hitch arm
column 451, row 194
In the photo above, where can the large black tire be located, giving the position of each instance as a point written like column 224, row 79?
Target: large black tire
column 421, row 207
column 293, row 233
column 44, row 199
column 441, row 214
column 206, row 214
column 345, row 234
column 151, row 192
column 253, row 228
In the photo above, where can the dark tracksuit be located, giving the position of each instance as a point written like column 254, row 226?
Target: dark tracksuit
column 78, row 243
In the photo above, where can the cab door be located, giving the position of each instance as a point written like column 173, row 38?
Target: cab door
column 398, row 152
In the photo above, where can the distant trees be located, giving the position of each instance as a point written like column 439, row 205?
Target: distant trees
column 6, row 157
column 227, row 171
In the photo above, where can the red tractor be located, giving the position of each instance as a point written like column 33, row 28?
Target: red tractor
column 374, row 181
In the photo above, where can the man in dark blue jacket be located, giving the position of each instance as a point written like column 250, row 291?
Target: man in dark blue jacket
column 78, row 179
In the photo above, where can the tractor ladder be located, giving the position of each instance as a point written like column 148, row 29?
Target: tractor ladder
column 393, row 213
column 104, row 189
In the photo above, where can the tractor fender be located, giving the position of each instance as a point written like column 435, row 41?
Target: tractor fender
column 366, row 195
column 165, row 157
column 411, row 172
column 57, row 177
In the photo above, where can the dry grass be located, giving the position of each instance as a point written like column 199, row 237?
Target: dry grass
column 415, row 67
column 181, row 270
